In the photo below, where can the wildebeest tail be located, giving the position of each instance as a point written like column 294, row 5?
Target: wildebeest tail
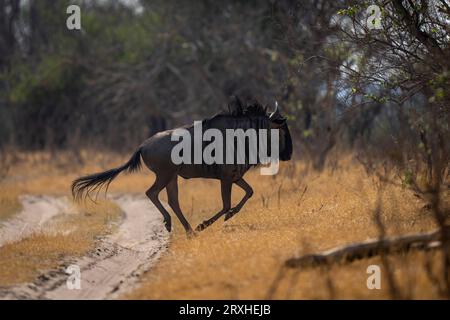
column 84, row 186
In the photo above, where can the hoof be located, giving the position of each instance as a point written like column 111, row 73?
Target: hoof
column 201, row 227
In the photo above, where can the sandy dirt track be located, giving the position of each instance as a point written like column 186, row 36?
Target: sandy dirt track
column 36, row 211
column 116, row 264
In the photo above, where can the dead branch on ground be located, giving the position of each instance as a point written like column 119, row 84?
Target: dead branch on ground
column 369, row 248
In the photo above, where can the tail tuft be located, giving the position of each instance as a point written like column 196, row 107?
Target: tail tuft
column 84, row 186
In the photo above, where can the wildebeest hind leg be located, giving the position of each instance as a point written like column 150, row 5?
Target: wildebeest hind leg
column 172, row 196
column 225, row 187
column 153, row 193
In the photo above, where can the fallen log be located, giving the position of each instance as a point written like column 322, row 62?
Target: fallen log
column 369, row 248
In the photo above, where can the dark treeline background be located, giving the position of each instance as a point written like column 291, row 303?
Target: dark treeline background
column 138, row 67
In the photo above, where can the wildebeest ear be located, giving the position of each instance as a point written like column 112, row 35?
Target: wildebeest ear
column 235, row 106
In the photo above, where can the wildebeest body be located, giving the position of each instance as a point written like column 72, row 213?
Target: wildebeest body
column 156, row 153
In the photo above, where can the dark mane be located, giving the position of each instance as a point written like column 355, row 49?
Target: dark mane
column 251, row 108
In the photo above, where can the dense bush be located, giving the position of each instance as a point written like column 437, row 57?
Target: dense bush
column 133, row 71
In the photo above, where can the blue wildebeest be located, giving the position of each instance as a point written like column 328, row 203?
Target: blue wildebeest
column 156, row 153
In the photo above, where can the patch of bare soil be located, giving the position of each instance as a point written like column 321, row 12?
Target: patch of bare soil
column 36, row 211
column 116, row 264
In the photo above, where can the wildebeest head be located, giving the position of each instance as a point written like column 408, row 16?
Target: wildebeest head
column 252, row 107
column 278, row 121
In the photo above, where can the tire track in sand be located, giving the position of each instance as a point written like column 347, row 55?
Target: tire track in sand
column 116, row 264
column 36, row 211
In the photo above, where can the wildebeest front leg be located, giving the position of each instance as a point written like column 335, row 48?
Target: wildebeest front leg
column 225, row 187
column 248, row 194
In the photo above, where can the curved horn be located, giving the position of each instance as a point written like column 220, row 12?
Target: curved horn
column 275, row 111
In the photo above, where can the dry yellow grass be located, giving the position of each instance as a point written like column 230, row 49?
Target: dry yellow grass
column 70, row 235
column 44, row 173
column 241, row 259
column 9, row 202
